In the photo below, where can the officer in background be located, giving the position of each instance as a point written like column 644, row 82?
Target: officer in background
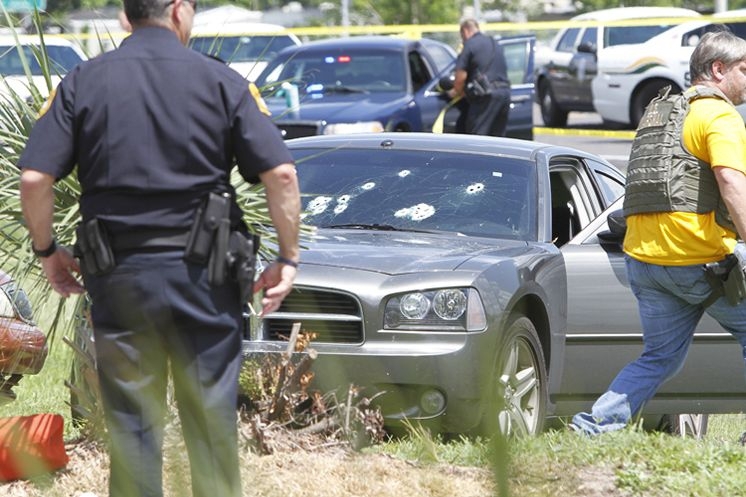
column 155, row 129
column 685, row 205
column 482, row 58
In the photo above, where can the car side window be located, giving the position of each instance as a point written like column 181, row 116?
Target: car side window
column 516, row 56
column 567, row 42
column 574, row 201
column 590, row 36
column 611, row 188
column 419, row 71
column 14, row 302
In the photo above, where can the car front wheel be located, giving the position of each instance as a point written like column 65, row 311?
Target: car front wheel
column 644, row 95
column 520, row 386
column 551, row 113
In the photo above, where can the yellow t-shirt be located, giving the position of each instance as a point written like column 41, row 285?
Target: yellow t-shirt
column 714, row 132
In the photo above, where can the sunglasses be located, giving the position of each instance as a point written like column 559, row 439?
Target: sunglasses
column 192, row 2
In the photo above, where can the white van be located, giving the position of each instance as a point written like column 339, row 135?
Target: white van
column 244, row 46
column 629, row 76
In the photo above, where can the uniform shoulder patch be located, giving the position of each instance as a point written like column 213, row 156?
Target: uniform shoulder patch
column 47, row 103
column 258, row 99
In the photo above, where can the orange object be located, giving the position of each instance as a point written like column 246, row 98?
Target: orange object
column 31, row 446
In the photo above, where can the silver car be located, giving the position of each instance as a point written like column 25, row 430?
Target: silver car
column 468, row 282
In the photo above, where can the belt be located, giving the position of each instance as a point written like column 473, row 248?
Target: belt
column 164, row 238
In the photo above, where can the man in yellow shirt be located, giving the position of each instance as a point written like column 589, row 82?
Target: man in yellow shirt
column 685, row 205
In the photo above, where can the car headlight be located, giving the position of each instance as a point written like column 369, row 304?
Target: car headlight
column 447, row 309
column 361, row 127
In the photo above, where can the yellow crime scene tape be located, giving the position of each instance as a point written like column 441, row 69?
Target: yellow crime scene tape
column 417, row 31
column 438, row 124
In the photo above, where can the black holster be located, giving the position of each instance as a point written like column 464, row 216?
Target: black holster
column 227, row 253
column 93, row 248
column 727, row 279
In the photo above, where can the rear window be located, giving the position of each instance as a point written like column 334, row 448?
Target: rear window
column 62, row 60
column 248, row 48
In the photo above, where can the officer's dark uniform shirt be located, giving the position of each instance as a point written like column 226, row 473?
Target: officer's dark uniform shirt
column 152, row 126
column 483, row 53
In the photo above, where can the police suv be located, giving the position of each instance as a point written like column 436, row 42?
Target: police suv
column 630, row 75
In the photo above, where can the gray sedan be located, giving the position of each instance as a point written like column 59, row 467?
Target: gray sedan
column 468, row 282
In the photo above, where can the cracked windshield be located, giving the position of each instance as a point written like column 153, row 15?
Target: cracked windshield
column 487, row 196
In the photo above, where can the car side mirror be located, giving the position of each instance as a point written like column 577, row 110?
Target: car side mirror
column 446, row 82
column 617, row 228
column 587, row 47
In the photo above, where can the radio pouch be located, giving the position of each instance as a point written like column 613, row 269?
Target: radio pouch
column 93, row 247
column 214, row 209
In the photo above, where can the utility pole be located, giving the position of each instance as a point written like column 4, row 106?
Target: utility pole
column 720, row 5
column 346, row 16
column 477, row 10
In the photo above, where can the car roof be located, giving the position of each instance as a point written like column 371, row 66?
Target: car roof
column 237, row 28
column 7, row 40
column 371, row 41
column 446, row 142
column 679, row 29
column 618, row 13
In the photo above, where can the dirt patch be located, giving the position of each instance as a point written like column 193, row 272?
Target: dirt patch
column 599, row 482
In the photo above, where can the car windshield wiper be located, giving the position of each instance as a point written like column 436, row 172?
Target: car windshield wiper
column 380, row 227
column 343, row 89
column 362, row 226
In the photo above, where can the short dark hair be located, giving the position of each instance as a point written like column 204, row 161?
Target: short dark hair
column 140, row 10
column 470, row 24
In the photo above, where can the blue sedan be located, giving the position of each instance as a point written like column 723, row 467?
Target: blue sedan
column 379, row 83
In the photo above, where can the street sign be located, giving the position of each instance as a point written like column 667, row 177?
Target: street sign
column 23, row 5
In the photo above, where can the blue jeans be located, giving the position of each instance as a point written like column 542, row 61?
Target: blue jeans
column 670, row 305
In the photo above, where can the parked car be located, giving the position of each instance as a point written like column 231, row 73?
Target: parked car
column 15, row 68
column 566, row 68
column 629, row 76
column 458, row 272
column 23, row 346
column 377, row 83
column 245, row 47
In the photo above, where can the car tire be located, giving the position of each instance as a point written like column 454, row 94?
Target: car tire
column 644, row 95
column 519, row 393
column 551, row 113
column 685, row 425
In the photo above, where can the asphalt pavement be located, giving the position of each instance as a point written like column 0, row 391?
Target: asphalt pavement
column 586, row 131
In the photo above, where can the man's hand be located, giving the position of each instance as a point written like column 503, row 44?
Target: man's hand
column 276, row 281
column 60, row 269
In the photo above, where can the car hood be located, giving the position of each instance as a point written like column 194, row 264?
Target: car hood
column 339, row 108
column 402, row 252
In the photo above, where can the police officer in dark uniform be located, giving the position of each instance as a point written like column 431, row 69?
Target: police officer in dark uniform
column 487, row 113
column 155, row 129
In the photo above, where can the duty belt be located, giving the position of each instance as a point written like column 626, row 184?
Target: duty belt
column 163, row 238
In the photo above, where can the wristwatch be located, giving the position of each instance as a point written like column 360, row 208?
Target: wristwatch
column 285, row 260
column 47, row 251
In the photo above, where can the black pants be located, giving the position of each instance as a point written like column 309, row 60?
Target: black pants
column 488, row 115
column 154, row 311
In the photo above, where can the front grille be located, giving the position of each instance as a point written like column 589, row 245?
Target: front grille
column 333, row 317
column 298, row 130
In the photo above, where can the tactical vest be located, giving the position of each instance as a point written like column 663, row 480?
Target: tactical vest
column 662, row 175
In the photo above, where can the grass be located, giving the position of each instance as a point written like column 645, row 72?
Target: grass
column 631, row 462
column 557, row 463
